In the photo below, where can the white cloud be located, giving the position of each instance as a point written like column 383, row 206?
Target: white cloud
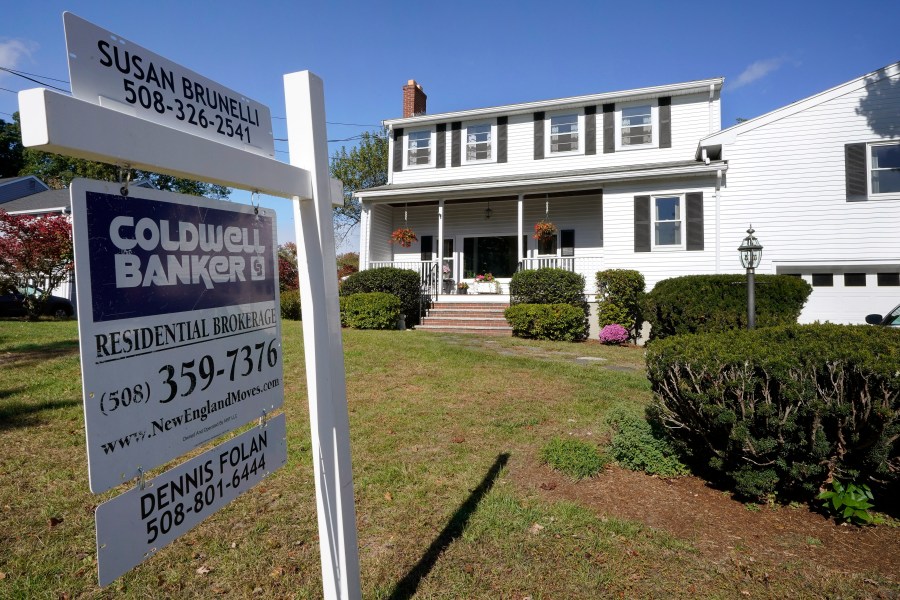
column 757, row 71
column 14, row 52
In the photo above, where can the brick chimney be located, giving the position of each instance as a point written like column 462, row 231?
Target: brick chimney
column 413, row 99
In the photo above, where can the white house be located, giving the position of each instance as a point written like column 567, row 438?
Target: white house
column 644, row 179
column 820, row 182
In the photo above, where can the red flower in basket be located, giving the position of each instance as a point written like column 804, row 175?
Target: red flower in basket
column 544, row 230
column 403, row 236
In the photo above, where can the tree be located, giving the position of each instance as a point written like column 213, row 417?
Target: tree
column 363, row 167
column 347, row 264
column 11, row 160
column 288, row 275
column 35, row 251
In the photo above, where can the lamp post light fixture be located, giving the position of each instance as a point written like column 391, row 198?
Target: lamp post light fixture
column 751, row 252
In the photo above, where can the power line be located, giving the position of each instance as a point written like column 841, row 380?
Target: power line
column 17, row 74
column 36, row 75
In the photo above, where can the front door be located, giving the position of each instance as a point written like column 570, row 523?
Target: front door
column 490, row 254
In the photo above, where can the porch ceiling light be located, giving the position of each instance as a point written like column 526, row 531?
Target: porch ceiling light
column 750, row 250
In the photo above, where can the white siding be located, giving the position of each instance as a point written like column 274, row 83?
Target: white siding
column 656, row 265
column 787, row 179
column 692, row 118
column 379, row 233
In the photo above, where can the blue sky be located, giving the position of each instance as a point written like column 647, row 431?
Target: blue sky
column 471, row 54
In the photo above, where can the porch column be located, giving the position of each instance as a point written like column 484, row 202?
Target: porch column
column 521, row 206
column 440, row 247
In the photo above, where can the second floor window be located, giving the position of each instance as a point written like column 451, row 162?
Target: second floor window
column 564, row 133
column 418, row 148
column 478, row 142
column 637, row 125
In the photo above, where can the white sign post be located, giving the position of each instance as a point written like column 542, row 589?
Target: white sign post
column 56, row 123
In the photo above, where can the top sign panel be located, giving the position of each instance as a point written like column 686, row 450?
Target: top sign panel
column 108, row 70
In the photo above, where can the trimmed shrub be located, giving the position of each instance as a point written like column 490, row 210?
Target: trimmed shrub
column 373, row 310
column 707, row 303
column 403, row 283
column 638, row 446
column 548, row 286
column 290, row 305
column 561, row 322
column 781, row 409
column 620, row 294
column 614, row 335
column 573, row 457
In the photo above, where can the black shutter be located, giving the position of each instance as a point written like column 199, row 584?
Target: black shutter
column 427, row 243
column 538, row 136
column 440, row 152
column 455, row 135
column 665, row 123
column 590, row 131
column 501, row 138
column 609, row 128
column 694, row 220
column 398, row 150
column 855, row 172
column 642, row 223
column 567, row 242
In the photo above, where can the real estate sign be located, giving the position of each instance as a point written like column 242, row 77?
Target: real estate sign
column 108, row 70
column 135, row 525
column 179, row 323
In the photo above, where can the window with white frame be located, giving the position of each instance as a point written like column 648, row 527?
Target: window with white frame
column 884, row 165
column 478, row 142
column 563, row 133
column 637, row 125
column 418, row 145
column 667, row 221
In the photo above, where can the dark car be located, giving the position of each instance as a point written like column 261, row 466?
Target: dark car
column 12, row 305
column 892, row 319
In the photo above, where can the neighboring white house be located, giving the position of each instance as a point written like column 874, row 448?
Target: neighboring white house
column 622, row 177
column 820, row 182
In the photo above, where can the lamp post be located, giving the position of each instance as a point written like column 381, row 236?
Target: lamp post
column 751, row 252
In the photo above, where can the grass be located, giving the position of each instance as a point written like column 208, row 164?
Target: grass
column 436, row 422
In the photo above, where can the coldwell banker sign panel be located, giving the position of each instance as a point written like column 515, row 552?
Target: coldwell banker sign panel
column 179, row 323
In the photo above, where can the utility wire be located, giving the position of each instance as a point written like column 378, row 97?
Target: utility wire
column 36, row 75
column 34, row 80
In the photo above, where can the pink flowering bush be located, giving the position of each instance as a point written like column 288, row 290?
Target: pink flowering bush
column 614, row 334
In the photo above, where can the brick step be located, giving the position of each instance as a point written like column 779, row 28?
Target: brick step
column 445, row 312
column 469, row 306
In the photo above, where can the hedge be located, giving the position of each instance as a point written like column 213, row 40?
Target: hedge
column 561, row 322
column 373, row 310
column 548, row 286
column 781, row 409
column 620, row 293
column 290, row 305
column 402, row 283
column 707, row 303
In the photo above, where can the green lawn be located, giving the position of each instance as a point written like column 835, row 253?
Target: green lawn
column 436, row 420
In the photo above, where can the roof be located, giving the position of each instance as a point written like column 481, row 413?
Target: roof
column 49, row 201
column 37, row 186
column 729, row 135
column 676, row 89
column 532, row 182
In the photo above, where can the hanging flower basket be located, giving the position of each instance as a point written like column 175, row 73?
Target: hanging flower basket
column 544, row 230
column 403, row 236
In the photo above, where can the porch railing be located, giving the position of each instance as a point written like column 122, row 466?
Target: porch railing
column 429, row 280
column 556, row 262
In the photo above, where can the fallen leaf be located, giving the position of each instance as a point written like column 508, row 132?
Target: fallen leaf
column 54, row 521
column 535, row 528
column 745, row 592
column 203, row 570
column 234, row 544
column 64, row 596
column 388, row 497
column 219, row 590
column 277, row 572
column 548, row 486
column 458, row 439
column 2, row 576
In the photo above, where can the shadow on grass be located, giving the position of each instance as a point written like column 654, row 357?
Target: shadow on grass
column 57, row 347
column 20, row 414
column 451, row 532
